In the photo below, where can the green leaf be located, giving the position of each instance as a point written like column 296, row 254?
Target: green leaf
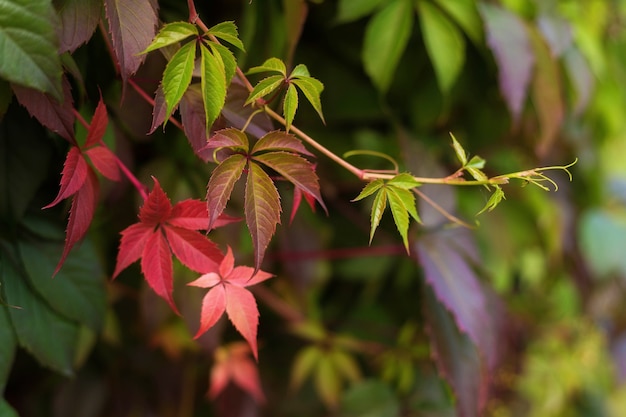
column 476, row 162
column 404, row 181
column 265, row 87
column 300, row 70
column 270, row 65
column 262, row 207
column 171, row 34
column 476, row 173
column 290, row 105
column 444, row 44
column 28, row 45
column 227, row 31
column 351, row 10
column 408, row 199
column 303, row 365
column 458, row 149
column 78, row 291
column 378, row 208
column 8, row 345
column 312, row 89
column 327, row 381
column 386, row 37
column 213, row 74
column 6, row 410
column 221, row 184
column 50, row 338
column 345, row 364
column 177, row 76
column 371, row 398
column 369, row 189
column 496, row 197
column 230, row 63
column 465, row 13
column 400, row 215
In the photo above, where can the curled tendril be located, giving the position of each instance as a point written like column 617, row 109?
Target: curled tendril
column 537, row 177
column 396, row 167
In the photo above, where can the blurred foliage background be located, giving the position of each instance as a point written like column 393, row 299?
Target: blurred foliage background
column 536, row 287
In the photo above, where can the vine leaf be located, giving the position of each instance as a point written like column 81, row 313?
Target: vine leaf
column 351, row 10
column 312, row 89
column 264, row 87
column 270, row 65
column 132, row 24
column 177, row 76
column 78, row 179
column 233, row 364
column 79, row 19
column 170, row 34
column 228, row 293
column 213, row 83
column 164, row 229
column 444, row 44
column 290, row 105
column 227, row 31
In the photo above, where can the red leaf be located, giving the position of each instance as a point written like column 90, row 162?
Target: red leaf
column 194, row 249
column 221, row 184
column 98, row 125
column 232, row 363
column 157, row 207
column 297, row 199
column 280, row 141
column 81, row 213
column 73, row 176
column 243, row 313
column 105, row 162
column 134, row 239
column 262, row 207
column 79, row 19
column 156, row 265
column 245, row 374
column 228, row 264
column 132, row 24
column 190, row 214
column 213, row 306
column 58, row 117
column 296, row 170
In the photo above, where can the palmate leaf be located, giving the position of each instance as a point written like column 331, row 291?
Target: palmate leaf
column 177, row 76
column 213, row 83
column 156, row 266
column 233, row 364
column 290, row 105
column 264, row 87
column 378, row 208
column 400, row 213
column 262, row 208
column 496, row 197
column 231, row 138
column 230, row 64
column 350, row 10
column 221, row 185
column 79, row 19
column 369, row 189
column 270, row 65
column 312, row 89
column 279, row 140
column 227, row 31
column 170, row 34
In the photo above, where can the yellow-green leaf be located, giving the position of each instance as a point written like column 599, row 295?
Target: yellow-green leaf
column 227, row 31
column 264, row 87
column 303, row 365
column 312, row 90
column 404, row 181
column 369, row 189
column 213, row 75
column 290, row 105
column 400, row 214
column 177, row 76
column 458, row 149
column 378, row 208
column 171, row 34
column 270, row 65
column 465, row 13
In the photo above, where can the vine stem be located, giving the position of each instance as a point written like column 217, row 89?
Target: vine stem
column 129, row 175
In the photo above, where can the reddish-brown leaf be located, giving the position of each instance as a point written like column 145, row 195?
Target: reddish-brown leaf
column 262, row 208
column 194, row 249
column 98, row 125
column 296, row 170
column 73, row 176
column 157, row 207
column 221, row 184
column 280, row 141
column 58, row 117
column 132, row 24
column 156, row 265
column 81, row 213
column 229, row 138
column 213, row 306
column 243, row 313
column 134, row 239
column 79, row 19
column 105, row 162
column 193, row 117
column 159, row 112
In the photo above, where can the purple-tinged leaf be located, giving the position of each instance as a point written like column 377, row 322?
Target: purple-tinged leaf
column 557, row 33
column 58, row 117
column 159, row 112
column 508, row 39
column 231, row 138
column 262, row 207
column 456, row 357
column 194, row 122
column 279, row 140
column 221, row 184
column 213, row 73
column 132, row 24
column 79, row 19
column 296, row 170
column 237, row 114
column 177, row 75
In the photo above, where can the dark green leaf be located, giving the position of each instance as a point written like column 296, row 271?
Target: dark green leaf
column 6, row 410
column 386, row 37
column 262, row 207
column 312, row 89
column 78, row 291
column 213, row 73
column 444, row 44
column 371, row 398
column 177, row 75
column 221, row 183
column 350, row 10
column 8, row 343
column 170, row 34
column 290, row 105
column 50, row 338
column 227, row 31
column 265, row 87
column 369, row 189
column 270, row 65
column 29, row 45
